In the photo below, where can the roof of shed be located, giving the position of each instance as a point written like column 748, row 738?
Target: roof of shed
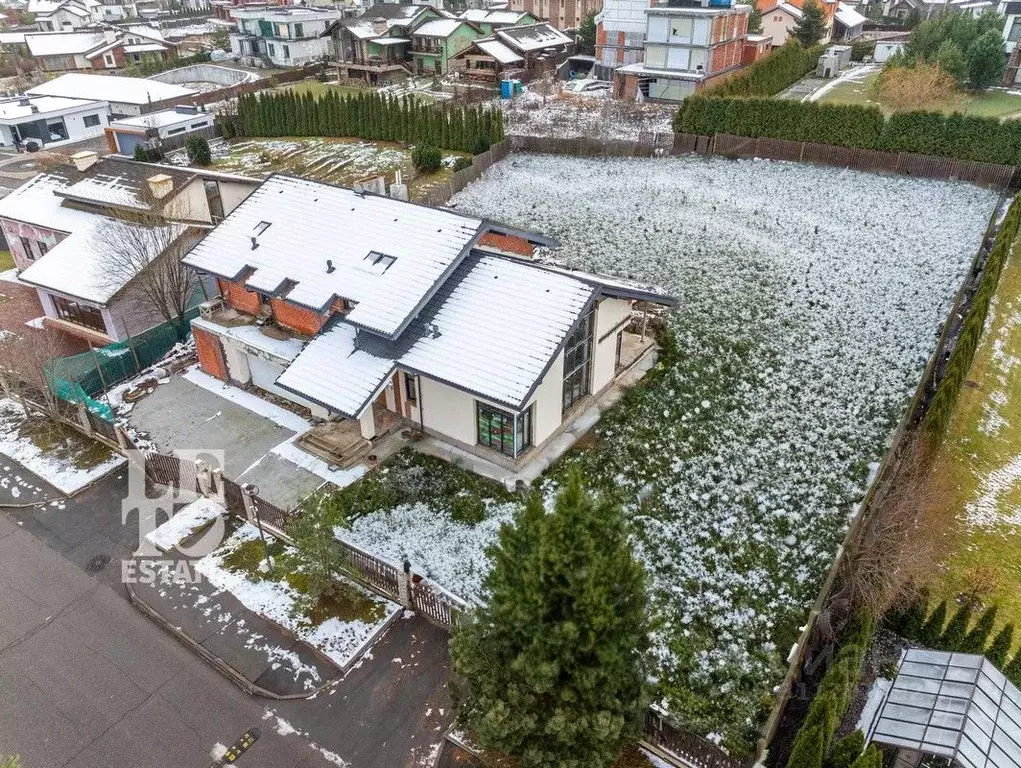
column 532, row 37
column 499, row 51
column 311, row 223
column 848, row 16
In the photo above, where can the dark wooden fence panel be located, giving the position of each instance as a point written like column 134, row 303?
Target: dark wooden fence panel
column 425, row 600
column 381, row 575
column 695, row 750
column 233, row 499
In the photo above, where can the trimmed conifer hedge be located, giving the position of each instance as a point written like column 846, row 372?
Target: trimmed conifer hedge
column 369, row 115
column 768, row 76
column 981, row 139
column 942, row 406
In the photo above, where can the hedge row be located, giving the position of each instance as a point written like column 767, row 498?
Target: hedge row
column 814, row 742
column 772, row 74
column 982, row 139
column 959, row 634
column 369, row 115
column 942, row 406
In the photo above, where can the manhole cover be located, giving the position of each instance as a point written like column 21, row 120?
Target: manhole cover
column 97, row 563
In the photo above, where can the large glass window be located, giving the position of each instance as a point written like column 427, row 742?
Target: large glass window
column 502, row 431
column 212, row 188
column 79, row 314
column 577, row 358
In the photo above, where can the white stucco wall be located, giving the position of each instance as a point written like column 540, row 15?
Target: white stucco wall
column 234, row 193
column 609, row 314
column 778, row 25
column 447, row 411
column 548, row 402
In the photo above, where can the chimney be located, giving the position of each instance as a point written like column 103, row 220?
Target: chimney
column 110, row 34
column 160, row 185
column 84, row 160
column 379, row 26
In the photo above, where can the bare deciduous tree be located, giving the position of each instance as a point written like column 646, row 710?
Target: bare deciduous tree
column 146, row 251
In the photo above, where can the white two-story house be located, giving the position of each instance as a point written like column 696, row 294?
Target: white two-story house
column 281, row 36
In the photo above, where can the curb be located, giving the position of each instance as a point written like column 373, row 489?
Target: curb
column 219, row 664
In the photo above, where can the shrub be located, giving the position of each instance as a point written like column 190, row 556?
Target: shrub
column 975, row 641
column 808, row 750
column 914, row 88
column 198, row 150
column 480, row 145
column 932, row 629
column 468, row 508
column 862, row 48
column 953, row 636
column 846, row 751
column 870, row 758
column 1000, row 647
column 461, row 163
column 769, row 76
column 427, row 159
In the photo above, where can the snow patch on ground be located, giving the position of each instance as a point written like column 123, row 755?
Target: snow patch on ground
column 185, row 522
column 564, row 117
column 61, row 474
column 254, row 403
column 339, row 641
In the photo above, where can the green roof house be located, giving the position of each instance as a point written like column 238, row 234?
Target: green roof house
column 436, row 41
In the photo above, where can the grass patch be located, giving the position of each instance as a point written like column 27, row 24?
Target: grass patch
column 409, row 477
column 980, row 456
column 63, row 443
column 319, row 89
column 995, row 102
column 6, row 261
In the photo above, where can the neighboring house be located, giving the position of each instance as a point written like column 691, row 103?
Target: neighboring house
column 436, row 41
column 150, row 130
column 50, row 121
column 127, row 96
column 888, row 47
column 13, row 42
column 60, row 226
column 281, row 36
column 778, row 22
column 63, row 17
column 98, row 48
column 222, row 8
column 1011, row 12
column 620, row 35
column 686, row 49
column 374, row 46
column 380, row 314
column 525, row 53
column 900, row 9
column 848, row 23
column 562, row 14
column 490, row 21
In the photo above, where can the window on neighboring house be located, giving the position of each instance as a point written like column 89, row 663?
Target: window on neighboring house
column 215, row 200
column 195, row 126
column 109, row 60
column 175, row 131
column 287, row 51
column 57, row 130
column 411, row 388
column 577, row 356
column 272, row 50
column 298, row 30
column 43, row 248
column 502, row 431
column 1015, row 31
column 91, row 121
column 26, row 246
column 79, row 314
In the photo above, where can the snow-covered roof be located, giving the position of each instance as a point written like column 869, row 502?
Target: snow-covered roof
column 144, row 47
column 848, row 16
column 437, row 28
column 388, row 257
column 499, row 51
column 453, row 339
column 77, row 265
column 44, row 7
column 617, row 287
column 62, row 43
column 483, row 16
column 532, row 37
column 12, row 38
column 118, row 89
column 639, row 68
column 144, row 30
column 390, row 40
column 15, row 109
column 165, row 118
column 360, row 28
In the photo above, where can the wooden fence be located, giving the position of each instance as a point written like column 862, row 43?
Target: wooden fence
column 442, row 192
column 693, row 750
column 646, row 144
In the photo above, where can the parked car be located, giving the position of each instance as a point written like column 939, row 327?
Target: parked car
column 588, row 87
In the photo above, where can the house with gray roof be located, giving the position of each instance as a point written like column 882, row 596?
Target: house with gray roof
column 380, row 315
column 525, row 52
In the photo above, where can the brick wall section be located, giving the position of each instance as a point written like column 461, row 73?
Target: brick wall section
column 239, row 297
column 726, row 56
column 507, row 244
column 295, row 318
column 210, row 353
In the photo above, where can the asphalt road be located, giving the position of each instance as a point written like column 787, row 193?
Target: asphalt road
column 87, row 681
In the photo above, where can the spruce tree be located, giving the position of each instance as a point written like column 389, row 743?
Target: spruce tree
column 957, row 630
column 999, row 649
column 556, row 662
column 870, row 758
column 932, row 629
column 812, row 24
column 975, row 641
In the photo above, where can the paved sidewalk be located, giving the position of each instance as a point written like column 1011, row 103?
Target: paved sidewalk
column 256, row 648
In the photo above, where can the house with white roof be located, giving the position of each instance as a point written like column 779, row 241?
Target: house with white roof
column 127, row 96
column 281, row 36
column 151, row 129
column 523, row 52
column 491, row 20
column 848, row 24
column 98, row 47
column 49, row 121
column 379, row 315
column 63, row 224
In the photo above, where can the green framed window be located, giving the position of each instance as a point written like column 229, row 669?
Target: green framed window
column 508, row 433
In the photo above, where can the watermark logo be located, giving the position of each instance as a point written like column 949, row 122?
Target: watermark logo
column 173, row 531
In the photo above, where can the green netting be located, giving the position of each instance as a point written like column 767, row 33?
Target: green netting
column 80, row 378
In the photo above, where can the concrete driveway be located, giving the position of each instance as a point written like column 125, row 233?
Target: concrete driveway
column 184, row 415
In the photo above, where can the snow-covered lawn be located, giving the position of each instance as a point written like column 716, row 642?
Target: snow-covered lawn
column 810, row 300
column 340, row 639
column 565, row 116
column 63, row 458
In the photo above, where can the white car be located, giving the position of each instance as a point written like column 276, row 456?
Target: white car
column 588, row 87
